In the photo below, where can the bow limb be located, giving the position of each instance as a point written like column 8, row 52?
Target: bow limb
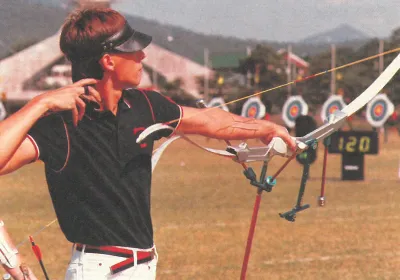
column 374, row 88
column 157, row 154
column 338, row 118
column 242, row 153
column 152, row 129
column 159, row 126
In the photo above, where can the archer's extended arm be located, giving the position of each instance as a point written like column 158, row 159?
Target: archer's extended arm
column 219, row 124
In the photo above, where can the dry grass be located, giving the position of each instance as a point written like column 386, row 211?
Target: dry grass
column 202, row 207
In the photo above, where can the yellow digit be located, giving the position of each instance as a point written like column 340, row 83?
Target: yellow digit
column 365, row 144
column 340, row 145
column 351, row 144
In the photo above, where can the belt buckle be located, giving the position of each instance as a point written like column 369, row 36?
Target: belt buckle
column 129, row 262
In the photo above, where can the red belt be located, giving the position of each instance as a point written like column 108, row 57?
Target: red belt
column 142, row 256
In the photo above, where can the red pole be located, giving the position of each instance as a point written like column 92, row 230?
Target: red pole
column 251, row 234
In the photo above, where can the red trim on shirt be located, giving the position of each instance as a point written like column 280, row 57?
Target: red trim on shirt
column 35, row 146
column 180, row 118
column 69, row 147
column 151, row 106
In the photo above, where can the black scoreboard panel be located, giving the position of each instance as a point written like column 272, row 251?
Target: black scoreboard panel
column 354, row 142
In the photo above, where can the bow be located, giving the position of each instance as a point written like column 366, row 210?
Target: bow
column 243, row 153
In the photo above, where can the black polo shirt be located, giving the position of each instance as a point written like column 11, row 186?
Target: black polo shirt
column 99, row 178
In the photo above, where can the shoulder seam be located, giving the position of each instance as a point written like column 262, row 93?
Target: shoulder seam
column 150, row 105
column 68, row 147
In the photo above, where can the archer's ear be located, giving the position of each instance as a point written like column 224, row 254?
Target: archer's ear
column 106, row 62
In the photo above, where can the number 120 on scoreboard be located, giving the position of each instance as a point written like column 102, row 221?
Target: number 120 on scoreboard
column 354, row 142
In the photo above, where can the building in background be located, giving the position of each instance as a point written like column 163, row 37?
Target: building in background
column 40, row 67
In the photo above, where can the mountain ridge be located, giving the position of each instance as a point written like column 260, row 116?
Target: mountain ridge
column 27, row 22
column 339, row 34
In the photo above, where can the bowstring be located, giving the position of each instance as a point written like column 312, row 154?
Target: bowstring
column 35, row 233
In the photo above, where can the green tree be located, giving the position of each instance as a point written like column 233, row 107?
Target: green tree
column 265, row 63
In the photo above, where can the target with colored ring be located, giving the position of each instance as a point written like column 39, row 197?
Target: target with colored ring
column 379, row 110
column 294, row 110
column 332, row 104
column 218, row 102
column 253, row 108
column 294, row 107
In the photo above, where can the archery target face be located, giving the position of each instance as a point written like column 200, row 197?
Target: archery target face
column 253, row 108
column 218, row 102
column 332, row 104
column 379, row 110
column 294, row 107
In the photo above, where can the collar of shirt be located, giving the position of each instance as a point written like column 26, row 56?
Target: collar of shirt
column 92, row 111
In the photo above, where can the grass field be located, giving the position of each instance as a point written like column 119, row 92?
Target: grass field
column 202, row 205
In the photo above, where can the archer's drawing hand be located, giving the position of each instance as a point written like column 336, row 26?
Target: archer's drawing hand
column 283, row 133
column 72, row 98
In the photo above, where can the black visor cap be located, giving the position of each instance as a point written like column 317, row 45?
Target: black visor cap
column 127, row 40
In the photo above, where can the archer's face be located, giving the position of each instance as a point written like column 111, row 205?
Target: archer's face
column 128, row 68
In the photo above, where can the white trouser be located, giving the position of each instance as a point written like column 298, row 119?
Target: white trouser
column 91, row 266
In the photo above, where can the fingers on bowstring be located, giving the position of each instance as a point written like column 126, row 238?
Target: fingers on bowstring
column 81, row 107
column 93, row 92
column 90, row 93
column 86, row 90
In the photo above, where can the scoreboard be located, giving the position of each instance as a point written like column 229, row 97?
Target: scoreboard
column 354, row 142
column 353, row 145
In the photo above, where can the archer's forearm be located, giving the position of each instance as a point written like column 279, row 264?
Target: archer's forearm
column 216, row 123
column 13, row 130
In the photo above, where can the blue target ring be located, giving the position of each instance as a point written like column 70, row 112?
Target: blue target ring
column 329, row 108
column 253, row 110
column 378, row 110
column 294, row 110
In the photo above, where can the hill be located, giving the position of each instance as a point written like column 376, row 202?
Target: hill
column 342, row 33
column 24, row 22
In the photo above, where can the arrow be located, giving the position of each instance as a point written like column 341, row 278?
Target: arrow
column 38, row 254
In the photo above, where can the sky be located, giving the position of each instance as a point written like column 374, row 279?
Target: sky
column 274, row 20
